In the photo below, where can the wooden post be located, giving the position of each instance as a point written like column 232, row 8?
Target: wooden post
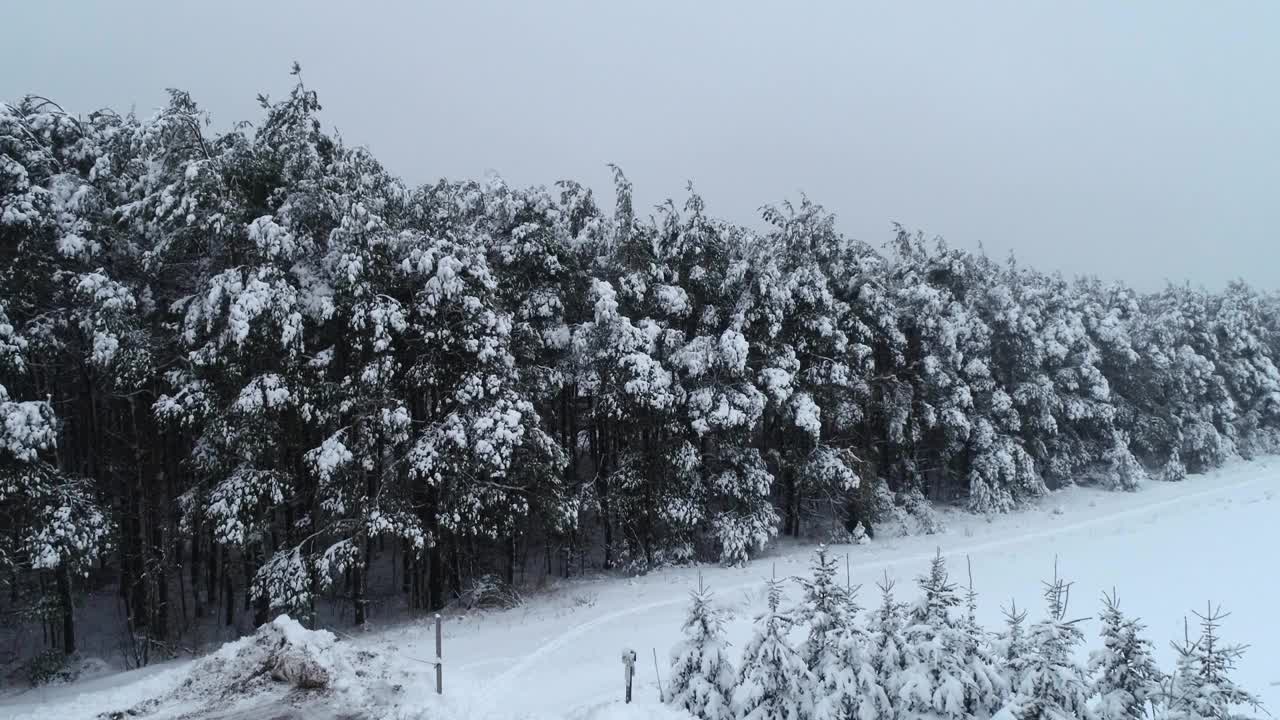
column 439, row 658
column 628, row 668
column 662, row 695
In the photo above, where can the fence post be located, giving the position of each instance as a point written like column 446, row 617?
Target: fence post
column 439, row 658
column 628, row 668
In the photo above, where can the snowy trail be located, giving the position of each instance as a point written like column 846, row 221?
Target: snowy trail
column 540, row 654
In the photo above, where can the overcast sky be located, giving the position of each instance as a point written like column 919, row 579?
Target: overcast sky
column 1132, row 140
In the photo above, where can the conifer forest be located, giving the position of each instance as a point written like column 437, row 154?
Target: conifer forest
column 245, row 371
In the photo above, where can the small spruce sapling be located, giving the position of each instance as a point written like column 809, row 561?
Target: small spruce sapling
column 986, row 687
column 845, row 684
column 1125, row 679
column 1201, row 687
column 826, row 608
column 1053, row 685
column 702, row 675
column 888, row 646
column 1014, row 648
column 773, row 682
column 951, row 672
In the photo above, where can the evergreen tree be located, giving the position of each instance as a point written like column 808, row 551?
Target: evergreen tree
column 702, row 677
column 1126, row 680
column 825, row 608
column 1201, row 687
column 1014, row 650
column 846, row 684
column 773, row 682
column 836, row 651
column 889, row 655
column 986, row 688
column 949, row 672
column 1053, row 685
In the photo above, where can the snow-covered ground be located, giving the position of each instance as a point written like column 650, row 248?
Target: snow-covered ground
column 1167, row 550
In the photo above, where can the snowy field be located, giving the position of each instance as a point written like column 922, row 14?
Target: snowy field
column 1167, row 550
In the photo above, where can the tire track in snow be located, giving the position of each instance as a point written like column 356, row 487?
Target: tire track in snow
column 560, row 641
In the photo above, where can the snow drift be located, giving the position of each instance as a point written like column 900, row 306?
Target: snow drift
column 282, row 662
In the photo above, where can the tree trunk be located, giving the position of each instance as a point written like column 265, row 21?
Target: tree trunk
column 791, row 522
column 260, row 604
column 357, row 589
column 198, row 609
column 511, row 560
column 228, row 586
column 159, row 578
column 68, row 610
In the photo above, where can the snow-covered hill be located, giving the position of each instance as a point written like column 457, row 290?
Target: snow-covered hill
column 1167, row 550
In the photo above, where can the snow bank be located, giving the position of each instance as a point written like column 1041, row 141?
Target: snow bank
column 282, row 661
column 281, row 651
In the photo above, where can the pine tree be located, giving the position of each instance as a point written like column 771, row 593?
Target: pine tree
column 847, row 684
column 1053, row 686
column 986, row 688
column 1126, row 680
column 825, row 608
column 1201, row 687
column 702, row 677
column 888, row 648
column 1014, row 647
column 773, row 682
column 950, row 673
column 836, row 651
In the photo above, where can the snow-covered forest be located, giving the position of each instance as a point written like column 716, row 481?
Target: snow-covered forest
column 249, row 371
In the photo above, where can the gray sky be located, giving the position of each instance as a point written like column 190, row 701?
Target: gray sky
column 1132, row 140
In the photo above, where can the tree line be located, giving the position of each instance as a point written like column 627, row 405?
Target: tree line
column 239, row 369
column 932, row 659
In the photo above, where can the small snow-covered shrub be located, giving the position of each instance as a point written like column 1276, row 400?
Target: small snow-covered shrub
column 1174, row 470
column 489, row 592
column 922, row 510
column 840, row 535
column 53, row 667
column 860, row 536
column 634, row 560
column 907, row 512
column 46, row 667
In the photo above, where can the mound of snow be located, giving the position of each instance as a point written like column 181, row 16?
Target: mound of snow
column 282, row 662
column 282, row 651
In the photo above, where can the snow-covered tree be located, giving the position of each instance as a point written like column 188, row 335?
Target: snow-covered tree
column 826, row 609
column 982, row 667
column 773, row 682
column 889, row 655
column 1054, row 685
column 949, row 671
column 1201, row 687
column 1125, row 679
column 836, row 650
column 702, row 676
column 1013, row 648
column 70, row 339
